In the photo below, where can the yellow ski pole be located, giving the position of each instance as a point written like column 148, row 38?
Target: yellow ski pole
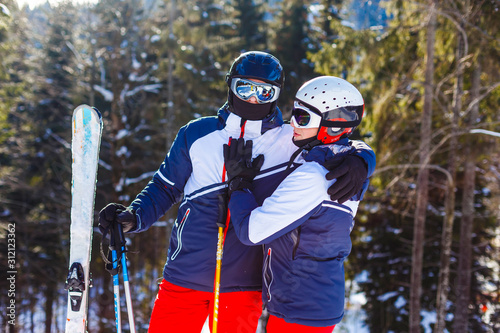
column 220, row 245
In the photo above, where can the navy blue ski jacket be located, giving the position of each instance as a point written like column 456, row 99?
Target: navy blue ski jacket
column 306, row 237
column 192, row 175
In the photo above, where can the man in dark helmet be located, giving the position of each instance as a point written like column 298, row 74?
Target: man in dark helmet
column 247, row 99
column 193, row 173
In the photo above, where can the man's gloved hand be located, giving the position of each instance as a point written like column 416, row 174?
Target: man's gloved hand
column 240, row 168
column 350, row 172
column 117, row 213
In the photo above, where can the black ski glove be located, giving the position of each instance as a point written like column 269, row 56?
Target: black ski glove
column 240, row 168
column 350, row 172
column 117, row 213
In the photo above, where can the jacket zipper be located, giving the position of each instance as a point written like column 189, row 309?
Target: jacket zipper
column 180, row 228
column 268, row 274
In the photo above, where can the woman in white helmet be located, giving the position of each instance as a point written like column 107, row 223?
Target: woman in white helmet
column 306, row 235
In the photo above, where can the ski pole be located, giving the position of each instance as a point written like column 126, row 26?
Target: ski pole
column 222, row 232
column 116, row 284
column 118, row 260
column 126, row 285
column 220, row 245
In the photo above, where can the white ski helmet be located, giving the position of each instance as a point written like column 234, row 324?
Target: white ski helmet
column 338, row 102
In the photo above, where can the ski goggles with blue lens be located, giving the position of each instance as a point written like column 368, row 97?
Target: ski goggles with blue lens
column 303, row 117
column 263, row 92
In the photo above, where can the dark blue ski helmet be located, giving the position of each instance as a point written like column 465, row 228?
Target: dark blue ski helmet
column 257, row 65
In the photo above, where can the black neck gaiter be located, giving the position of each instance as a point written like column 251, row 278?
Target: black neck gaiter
column 250, row 111
column 303, row 142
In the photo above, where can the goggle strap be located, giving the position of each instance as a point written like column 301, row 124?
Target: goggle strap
column 251, row 77
column 310, row 107
column 329, row 123
column 341, row 124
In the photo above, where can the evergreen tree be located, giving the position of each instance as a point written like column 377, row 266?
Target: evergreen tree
column 290, row 45
column 5, row 52
column 475, row 275
column 50, row 171
column 389, row 71
column 121, row 49
column 11, row 131
column 39, row 184
column 251, row 25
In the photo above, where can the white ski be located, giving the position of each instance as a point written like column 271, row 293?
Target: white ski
column 87, row 130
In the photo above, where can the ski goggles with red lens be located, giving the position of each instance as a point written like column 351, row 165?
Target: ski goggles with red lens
column 303, row 117
column 263, row 92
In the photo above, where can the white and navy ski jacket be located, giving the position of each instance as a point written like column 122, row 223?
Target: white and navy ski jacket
column 192, row 175
column 306, row 237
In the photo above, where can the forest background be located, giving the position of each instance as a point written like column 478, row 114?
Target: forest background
column 427, row 236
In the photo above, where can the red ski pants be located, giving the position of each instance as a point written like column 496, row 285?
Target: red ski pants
column 179, row 309
column 279, row 325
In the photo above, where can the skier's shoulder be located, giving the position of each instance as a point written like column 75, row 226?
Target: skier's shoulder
column 201, row 122
column 286, row 128
column 323, row 153
column 199, row 127
column 280, row 134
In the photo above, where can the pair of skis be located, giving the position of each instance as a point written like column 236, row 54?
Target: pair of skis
column 86, row 140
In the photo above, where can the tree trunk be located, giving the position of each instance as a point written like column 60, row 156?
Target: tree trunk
column 170, row 116
column 465, row 246
column 446, row 239
column 423, row 178
column 49, row 306
column 104, row 301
